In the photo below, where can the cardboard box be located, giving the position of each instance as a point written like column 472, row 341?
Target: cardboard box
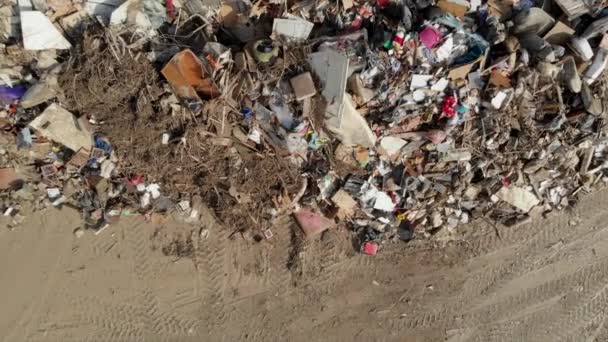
column 303, row 86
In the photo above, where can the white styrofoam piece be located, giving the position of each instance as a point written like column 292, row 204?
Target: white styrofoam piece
column 420, row 81
column 40, row 34
column 294, row 29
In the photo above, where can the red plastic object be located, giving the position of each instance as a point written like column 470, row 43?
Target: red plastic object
column 449, row 106
column 370, row 248
column 137, row 180
column 430, row 36
column 398, row 40
column 171, row 10
column 383, row 3
column 357, row 23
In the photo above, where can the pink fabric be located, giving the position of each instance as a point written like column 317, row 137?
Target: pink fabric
column 370, row 248
column 312, row 223
column 430, row 36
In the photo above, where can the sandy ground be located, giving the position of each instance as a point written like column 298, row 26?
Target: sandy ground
column 545, row 281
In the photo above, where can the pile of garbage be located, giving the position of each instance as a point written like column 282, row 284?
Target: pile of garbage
column 397, row 119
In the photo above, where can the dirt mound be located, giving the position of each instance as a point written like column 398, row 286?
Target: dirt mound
column 120, row 90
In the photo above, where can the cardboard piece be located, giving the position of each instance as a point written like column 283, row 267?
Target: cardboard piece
column 40, row 34
column 345, row 202
column 362, row 156
column 59, row 8
column 71, row 23
column 240, row 60
column 228, row 15
column 521, row 199
column 303, row 86
column 572, row 8
column 41, row 149
column 500, row 8
column 48, row 170
column 499, row 80
column 560, row 34
column 312, row 223
column 9, row 178
column 78, row 160
column 9, row 23
column 186, row 75
column 461, row 72
column 61, row 126
column 96, row 153
column 456, row 7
